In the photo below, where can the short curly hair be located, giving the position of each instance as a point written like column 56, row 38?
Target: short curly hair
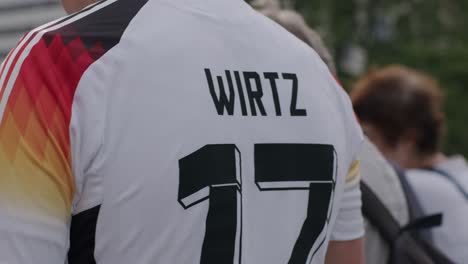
column 396, row 99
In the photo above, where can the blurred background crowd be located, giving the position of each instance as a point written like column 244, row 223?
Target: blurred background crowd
column 405, row 64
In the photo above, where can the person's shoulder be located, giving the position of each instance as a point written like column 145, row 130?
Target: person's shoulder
column 52, row 59
column 456, row 165
column 97, row 28
column 427, row 181
column 87, row 30
column 67, row 46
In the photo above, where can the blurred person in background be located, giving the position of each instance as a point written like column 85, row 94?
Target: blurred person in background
column 375, row 170
column 174, row 131
column 401, row 111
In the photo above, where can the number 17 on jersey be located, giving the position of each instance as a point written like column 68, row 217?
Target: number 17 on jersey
column 213, row 174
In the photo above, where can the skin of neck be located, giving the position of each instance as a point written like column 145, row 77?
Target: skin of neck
column 73, row 6
column 406, row 155
column 404, row 152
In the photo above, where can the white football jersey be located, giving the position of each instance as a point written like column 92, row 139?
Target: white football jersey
column 173, row 131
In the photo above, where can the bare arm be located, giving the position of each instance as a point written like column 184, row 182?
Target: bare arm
column 345, row 252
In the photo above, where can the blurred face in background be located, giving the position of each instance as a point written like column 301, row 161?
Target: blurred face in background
column 72, row 6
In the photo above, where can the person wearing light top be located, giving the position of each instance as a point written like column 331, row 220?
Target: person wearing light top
column 175, row 132
column 402, row 112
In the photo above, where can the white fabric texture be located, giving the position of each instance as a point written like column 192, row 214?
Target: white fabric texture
column 176, row 116
column 146, row 107
column 437, row 194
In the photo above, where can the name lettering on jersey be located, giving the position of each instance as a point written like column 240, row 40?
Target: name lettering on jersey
column 231, row 86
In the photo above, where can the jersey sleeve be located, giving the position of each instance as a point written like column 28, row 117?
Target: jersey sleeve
column 36, row 182
column 38, row 186
column 349, row 223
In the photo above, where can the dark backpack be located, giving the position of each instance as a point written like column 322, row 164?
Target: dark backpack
column 406, row 246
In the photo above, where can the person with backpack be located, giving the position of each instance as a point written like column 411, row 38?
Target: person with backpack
column 401, row 111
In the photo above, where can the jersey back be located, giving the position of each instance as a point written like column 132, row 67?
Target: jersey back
column 197, row 132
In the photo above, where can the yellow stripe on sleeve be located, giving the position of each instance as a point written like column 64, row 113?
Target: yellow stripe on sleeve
column 354, row 173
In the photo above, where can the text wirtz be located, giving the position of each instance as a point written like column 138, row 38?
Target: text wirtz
column 232, row 85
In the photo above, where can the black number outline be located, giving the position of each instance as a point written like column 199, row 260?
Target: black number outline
column 216, row 154
column 306, row 186
column 202, row 192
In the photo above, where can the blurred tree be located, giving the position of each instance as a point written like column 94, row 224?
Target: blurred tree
column 430, row 35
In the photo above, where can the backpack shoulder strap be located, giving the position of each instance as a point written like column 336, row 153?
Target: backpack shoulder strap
column 378, row 215
column 414, row 206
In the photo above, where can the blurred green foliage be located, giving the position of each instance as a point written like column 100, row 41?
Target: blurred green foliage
column 429, row 35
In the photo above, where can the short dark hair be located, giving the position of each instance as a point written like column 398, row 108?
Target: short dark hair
column 396, row 99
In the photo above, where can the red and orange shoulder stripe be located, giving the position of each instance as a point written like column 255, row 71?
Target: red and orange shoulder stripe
column 38, row 81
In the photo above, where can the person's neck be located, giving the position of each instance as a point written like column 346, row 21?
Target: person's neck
column 73, row 6
column 430, row 161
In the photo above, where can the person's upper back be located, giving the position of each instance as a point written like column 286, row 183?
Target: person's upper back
column 439, row 194
column 173, row 131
